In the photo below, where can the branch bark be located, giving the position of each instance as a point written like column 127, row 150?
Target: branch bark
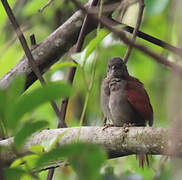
column 52, row 48
column 117, row 142
column 107, row 23
column 27, row 51
column 60, row 41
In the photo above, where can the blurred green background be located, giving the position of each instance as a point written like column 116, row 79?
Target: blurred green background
column 155, row 77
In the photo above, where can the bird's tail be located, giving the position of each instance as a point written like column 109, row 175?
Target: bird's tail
column 142, row 158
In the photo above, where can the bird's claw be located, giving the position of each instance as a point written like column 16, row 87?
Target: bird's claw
column 126, row 126
column 104, row 121
column 107, row 126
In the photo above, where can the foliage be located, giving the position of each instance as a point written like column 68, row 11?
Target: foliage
column 86, row 159
column 14, row 105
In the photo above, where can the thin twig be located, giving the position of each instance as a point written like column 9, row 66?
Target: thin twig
column 137, row 26
column 52, row 53
column 70, row 78
column 33, row 40
column 93, row 72
column 50, row 173
column 149, row 38
column 72, row 71
column 45, row 6
column 26, row 49
column 107, row 23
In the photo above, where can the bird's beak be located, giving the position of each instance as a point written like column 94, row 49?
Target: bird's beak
column 111, row 72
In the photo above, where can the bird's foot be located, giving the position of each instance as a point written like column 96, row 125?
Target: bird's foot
column 126, row 127
column 104, row 121
column 107, row 126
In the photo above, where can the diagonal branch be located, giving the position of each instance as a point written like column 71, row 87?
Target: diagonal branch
column 71, row 75
column 52, row 48
column 139, row 20
column 27, row 50
column 72, row 70
column 115, row 140
column 62, row 39
column 107, row 23
column 152, row 39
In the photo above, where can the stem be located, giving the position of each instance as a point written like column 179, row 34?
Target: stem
column 72, row 71
column 84, row 108
column 93, row 73
column 137, row 26
column 26, row 49
column 3, row 128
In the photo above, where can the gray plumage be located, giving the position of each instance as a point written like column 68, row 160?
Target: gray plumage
column 117, row 104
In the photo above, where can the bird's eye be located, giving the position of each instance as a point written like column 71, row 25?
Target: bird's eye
column 113, row 67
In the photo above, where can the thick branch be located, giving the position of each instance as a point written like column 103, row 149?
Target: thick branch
column 72, row 70
column 27, row 51
column 107, row 23
column 60, row 41
column 117, row 142
column 51, row 49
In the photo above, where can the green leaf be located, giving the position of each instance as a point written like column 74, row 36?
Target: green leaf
column 2, row 103
column 16, row 87
column 95, row 42
column 13, row 173
column 82, row 56
column 29, row 101
column 85, row 158
column 50, row 145
column 60, row 65
column 79, row 57
column 33, row 7
column 37, row 149
column 28, row 129
column 30, row 160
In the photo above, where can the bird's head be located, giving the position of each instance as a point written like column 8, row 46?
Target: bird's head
column 117, row 68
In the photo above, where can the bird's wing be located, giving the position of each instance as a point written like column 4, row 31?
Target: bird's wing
column 139, row 99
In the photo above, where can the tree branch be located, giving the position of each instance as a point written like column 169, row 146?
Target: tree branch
column 72, row 70
column 137, row 26
column 60, row 41
column 148, row 140
column 149, row 38
column 64, row 103
column 27, row 51
column 120, row 33
column 52, row 48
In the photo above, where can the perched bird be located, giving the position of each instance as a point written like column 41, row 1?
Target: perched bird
column 124, row 100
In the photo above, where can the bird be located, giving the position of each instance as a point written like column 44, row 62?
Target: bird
column 124, row 100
